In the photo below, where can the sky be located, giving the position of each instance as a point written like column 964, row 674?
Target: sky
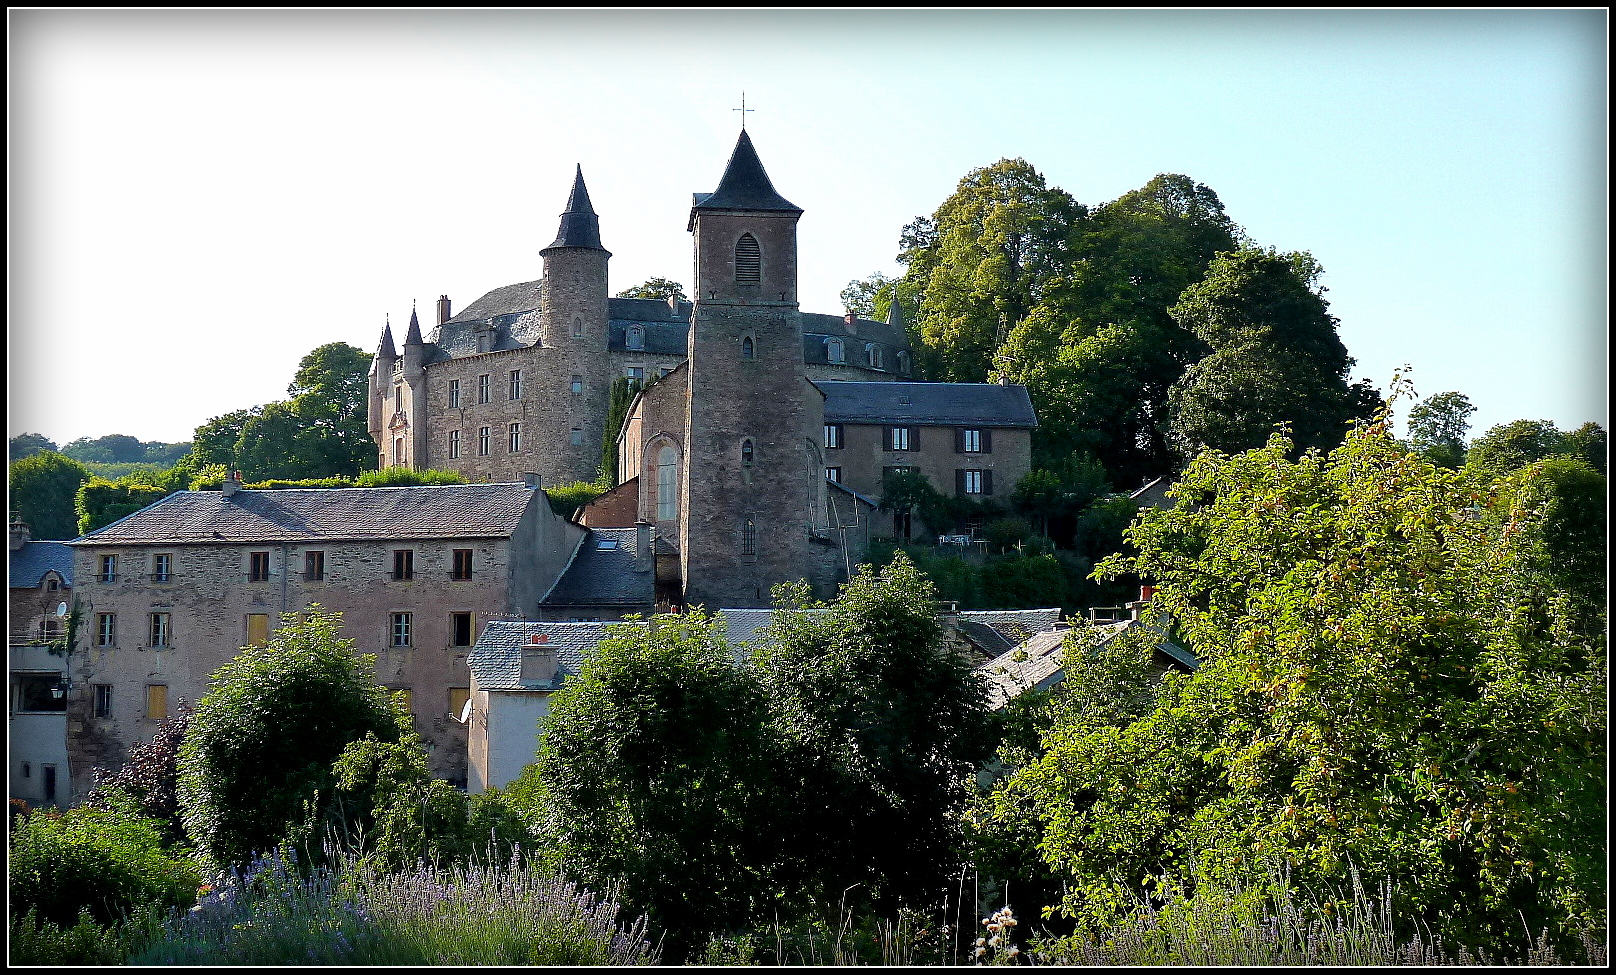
column 197, row 200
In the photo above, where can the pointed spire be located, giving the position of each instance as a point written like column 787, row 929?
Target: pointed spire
column 386, row 350
column 895, row 311
column 745, row 184
column 413, row 336
column 580, row 227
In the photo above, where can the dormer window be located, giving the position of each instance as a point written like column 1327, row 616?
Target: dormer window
column 748, row 260
column 835, row 351
column 903, row 363
column 872, row 354
column 636, row 337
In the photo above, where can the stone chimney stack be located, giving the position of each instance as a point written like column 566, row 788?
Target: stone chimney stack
column 232, row 483
column 19, row 534
column 443, row 309
column 642, row 546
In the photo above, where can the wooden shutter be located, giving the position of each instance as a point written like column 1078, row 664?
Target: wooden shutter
column 914, row 438
column 987, row 440
column 156, row 702
column 987, row 482
column 886, row 438
column 959, row 440
column 959, row 483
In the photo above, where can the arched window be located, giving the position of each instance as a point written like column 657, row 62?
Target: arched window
column 747, row 453
column 835, row 351
column 903, row 362
column 748, row 348
column 748, row 537
column 872, row 353
column 667, row 488
column 577, row 328
column 748, row 260
column 636, row 337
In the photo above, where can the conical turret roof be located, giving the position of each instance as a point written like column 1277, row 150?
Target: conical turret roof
column 580, row 227
column 413, row 336
column 895, row 311
column 745, row 184
column 386, row 350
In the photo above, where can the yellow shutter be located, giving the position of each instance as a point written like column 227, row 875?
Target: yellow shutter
column 257, row 629
column 156, row 702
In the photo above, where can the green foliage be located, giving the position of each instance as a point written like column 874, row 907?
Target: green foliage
column 1275, row 358
column 29, row 444
column 655, row 768
column 149, row 781
column 870, row 298
column 105, row 862
column 43, row 488
column 405, row 477
column 263, row 740
column 115, row 448
column 214, row 442
column 1509, row 447
column 621, row 397
column 1437, row 426
column 662, row 288
column 36, row 942
column 1384, row 682
column 566, row 499
column 100, row 503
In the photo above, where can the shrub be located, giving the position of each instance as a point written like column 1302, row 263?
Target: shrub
column 568, row 498
column 103, row 862
column 149, row 781
column 36, row 942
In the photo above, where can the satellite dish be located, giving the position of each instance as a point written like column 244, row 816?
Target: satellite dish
column 465, row 712
column 61, row 609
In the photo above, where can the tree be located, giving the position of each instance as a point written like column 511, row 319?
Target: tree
column 114, row 448
column 1383, row 682
column 661, row 288
column 330, row 395
column 101, row 502
column 1590, row 444
column 881, row 721
column 861, row 297
column 149, row 780
column 1508, row 447
column 1437, row 426
column 619, row 399
column 1275, row 358
column 214, row 442
column 43, row 487
column 656, row 770
column 263, row 740
column 269, row 446
column 107, row 862
column 29, row 444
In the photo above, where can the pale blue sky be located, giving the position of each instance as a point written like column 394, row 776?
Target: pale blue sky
column 197, row 200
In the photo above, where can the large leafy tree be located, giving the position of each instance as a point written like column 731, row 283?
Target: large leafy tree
column 1275, row 358
column 263, row 740
column 1437, row 427
column 29, row 444
column 662, row 288
column 1386, row 683
column 1511, row 446
column 43, row 487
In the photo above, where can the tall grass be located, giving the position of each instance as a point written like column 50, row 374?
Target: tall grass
column 348, row 913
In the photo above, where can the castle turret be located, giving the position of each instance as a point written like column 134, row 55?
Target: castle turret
column 409, row 423
column 895, row 312
column 381, row 391
column 572, row 319
column 752, row 486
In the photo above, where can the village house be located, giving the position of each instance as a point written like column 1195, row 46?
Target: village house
column 41, row 575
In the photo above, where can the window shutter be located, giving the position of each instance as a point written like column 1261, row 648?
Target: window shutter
column 987, row 441
column 959, row 483
column 959, row 440
column 748, row 260
column 987, row 482
column 886, row 438
column 914, row 438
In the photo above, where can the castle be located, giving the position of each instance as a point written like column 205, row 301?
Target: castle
column 761, row 433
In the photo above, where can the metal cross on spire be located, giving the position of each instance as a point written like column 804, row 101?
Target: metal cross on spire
column 743, row 110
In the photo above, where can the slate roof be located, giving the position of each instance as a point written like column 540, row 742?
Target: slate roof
column 30, row 563
column 928, row 404
column 1038, row 662
column 510, row 299
column 496, row 660
column 647, row 310
column 997, row 631
column 745, row 185
column 457, row 339
column 579, row 225
column 435, row 511
column 605, row 571
column 661, row 338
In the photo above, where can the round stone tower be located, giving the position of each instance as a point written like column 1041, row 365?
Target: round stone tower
column 572, row 315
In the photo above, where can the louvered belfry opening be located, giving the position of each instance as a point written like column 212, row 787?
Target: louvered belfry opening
column 748, row 260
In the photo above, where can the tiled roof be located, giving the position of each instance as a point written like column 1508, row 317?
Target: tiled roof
column 928, row 404
column 998, row 630
column 30, row 563
column 745, row 185
column 605, row 572
column 435, row 511
column 496, row 660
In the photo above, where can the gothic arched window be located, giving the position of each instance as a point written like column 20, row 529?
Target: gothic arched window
column 748, row 348
column 748, row 260
column 835, row 351
column 667, row 488
column 873, row 353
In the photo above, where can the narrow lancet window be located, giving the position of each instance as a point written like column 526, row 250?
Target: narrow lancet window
column 748, row 260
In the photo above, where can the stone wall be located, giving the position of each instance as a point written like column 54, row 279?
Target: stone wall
column 864, row 459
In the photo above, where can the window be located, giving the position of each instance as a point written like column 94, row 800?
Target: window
column 636, row 337
column 577, row 383
column 833, row 436
column 103, row 700
column 482, row 388
column 748, row 537
column 160, row 566
column 106, row 629
column 748, row 260
column 454, row 394
column 458, row 696
column 258, row 567
column 577, row 328
column 636, row 373
column 159, row 629
column 748, row 348
column 52, row 584
column 109, row 568
column 973, row 482
column 516, row 384
column 903, row 362
column 576, row 437
column 902, row 438
column 516, row 438
column 50, row 628
column 314, row 566
column 401, row 630
column 667, row 488
column 403, row 564
column 454, row 444
column 460, row 629
column 257, row 629
column 462, row 564
column 833, row 474
column 662, row 371
column 398, row 396
column 748, row 455
column 38, row 692
column 872, row 352
column 482, row 441
column 398, row 451
column 835, row 351
column 970, row 441
column 156, row 702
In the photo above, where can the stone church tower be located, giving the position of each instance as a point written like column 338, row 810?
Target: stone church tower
column 752, row 486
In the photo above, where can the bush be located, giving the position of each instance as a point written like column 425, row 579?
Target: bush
column 568, row 498
column 150, row 779
column 36, row 942
column 107, row 863
column 262, row 741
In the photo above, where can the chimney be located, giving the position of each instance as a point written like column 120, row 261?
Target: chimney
column 850, row 320
column 538, row 660
column 232, row 483
column 531, row 480
column 19, row 534
column 642, row 545
column 443, row 309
